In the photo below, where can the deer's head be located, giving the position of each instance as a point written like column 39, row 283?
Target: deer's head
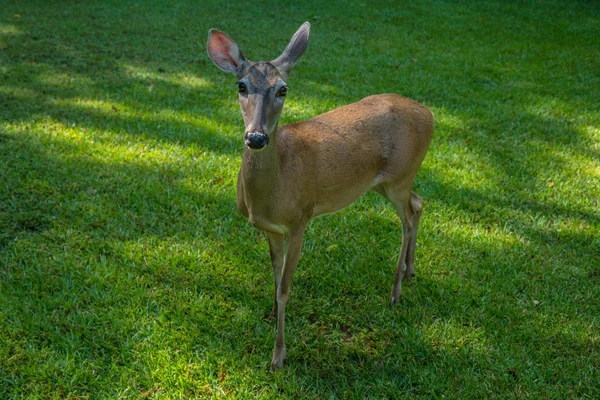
column 262, row 85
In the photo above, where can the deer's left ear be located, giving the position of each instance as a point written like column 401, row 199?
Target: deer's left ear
column 225, row 52
column 286, row 61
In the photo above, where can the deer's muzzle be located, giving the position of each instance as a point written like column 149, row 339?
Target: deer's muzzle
column 256, row 140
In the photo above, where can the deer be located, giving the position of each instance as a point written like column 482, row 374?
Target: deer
column 293, row 173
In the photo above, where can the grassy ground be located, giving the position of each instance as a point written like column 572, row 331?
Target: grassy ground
column 126, row 272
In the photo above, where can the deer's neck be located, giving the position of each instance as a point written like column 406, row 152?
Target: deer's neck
column 260, row 170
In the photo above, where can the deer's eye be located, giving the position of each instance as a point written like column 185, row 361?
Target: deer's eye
column 282, row 91
column 242, row 87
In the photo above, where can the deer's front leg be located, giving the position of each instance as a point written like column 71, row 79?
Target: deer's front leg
column 292, row 255
column 276, row 251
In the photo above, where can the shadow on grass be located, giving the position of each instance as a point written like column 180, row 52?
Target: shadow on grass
column 110, row 262
column 477, row 309
column 103, row 264
column 87, row 104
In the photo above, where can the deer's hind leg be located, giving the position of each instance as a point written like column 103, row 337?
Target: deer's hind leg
column 409, row 207
column 416, row 207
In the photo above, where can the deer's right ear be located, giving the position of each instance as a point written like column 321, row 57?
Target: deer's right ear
column 225, row 53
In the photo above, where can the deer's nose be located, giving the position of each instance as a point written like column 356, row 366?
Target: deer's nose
column 256, row 140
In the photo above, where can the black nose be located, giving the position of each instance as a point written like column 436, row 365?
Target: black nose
column 256, row 140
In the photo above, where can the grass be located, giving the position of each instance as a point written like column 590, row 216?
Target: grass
column 126, row 272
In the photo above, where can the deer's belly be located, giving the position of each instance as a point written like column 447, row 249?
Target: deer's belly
column 337, row 197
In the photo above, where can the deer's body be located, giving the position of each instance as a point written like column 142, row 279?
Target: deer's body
column 293, row 173
column 344, row 153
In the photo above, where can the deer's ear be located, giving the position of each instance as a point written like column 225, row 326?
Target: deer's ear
column 286, row 61
column 225, row 53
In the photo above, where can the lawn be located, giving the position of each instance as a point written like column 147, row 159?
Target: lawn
column 126, row 271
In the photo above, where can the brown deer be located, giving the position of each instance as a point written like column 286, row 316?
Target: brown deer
column 293, row 173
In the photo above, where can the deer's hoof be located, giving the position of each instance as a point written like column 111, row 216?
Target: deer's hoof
column 278, row 359
column 396, row 295
column 409, row 276
column 410, row 273
column 393, row 300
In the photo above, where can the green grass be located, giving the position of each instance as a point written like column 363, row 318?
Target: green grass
column 126, row 271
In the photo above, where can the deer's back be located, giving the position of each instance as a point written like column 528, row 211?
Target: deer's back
column 388, row 120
